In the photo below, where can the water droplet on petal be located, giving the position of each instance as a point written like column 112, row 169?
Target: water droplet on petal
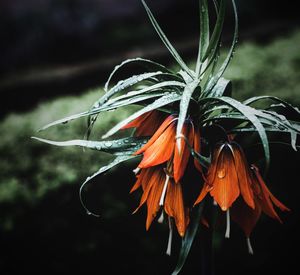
column 221, row 173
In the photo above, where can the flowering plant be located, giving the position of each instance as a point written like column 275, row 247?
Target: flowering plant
column 189, row 123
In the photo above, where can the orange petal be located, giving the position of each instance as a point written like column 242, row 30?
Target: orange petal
column 181, row 159
column 149, row 126
column 174, row 207
column 154, row 197
column 156, row 135
column 161, row 150
column 244, row 175
column 225, row 188
column 150, row 177
column 197, row 143
column 143, row 177
column 245, row 216
column 137, row 122
column 211, row 173
column 205, row 189
column 267, row 197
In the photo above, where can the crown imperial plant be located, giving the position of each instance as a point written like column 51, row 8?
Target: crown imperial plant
column 174, row 130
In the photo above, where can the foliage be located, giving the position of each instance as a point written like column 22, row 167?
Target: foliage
column 39, row 169
column 202, row 96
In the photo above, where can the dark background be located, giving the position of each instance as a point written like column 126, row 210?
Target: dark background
column 52, row 48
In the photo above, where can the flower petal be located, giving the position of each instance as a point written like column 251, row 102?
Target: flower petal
column 225, row 188
column 205, row 189
column 137, row 122
column 147, row 179
column 174, row 207
column 154, row 197
column 161, row 149
column 267, row 197
column 243, row 173
column 149, row 126
column 155, row 136
column 181, row 159
column 245, row 216
column 144, row 176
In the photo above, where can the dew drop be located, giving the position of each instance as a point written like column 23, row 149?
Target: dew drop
column 108, row 143
column 221, row 173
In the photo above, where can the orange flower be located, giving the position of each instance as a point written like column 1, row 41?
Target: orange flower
column 228, row 177
column 247, row 217
column 146, row 124
column 162, row 147
column 153, row 182
column 162, row 169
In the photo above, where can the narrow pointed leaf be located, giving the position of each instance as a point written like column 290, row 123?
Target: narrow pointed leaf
column 64, row 120
column 274, row 98
column 183, row 107
column 102, row 170
column 204, row 34
column 166, row 41
column 164, row 100
column 141, row 61
column 215, row 37
column 250, row 114
column 123, row 84
column 122, row 146
column 222, row 87
column 189, row 237
column 212, row 82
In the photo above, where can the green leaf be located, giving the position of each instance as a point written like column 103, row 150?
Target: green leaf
column 139, row 99
column 124, row 84
column 124, row 146
column 116, row 161
column 64, row 120
column 106, row 106
column 97, row 106
column 273, row 98
column 204, row 34
column 250, row 114
column 183, row 107
column 166, row 41
column 212, row 82
column 164, row 100
column 222, row 87
column 215, row 38
column 189, row 237
column 141, row 61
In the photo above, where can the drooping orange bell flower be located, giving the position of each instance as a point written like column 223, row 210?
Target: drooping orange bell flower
column 162, row 147
column 153, row 182
column 228, row 177
column 247, row 217
column 146, row 124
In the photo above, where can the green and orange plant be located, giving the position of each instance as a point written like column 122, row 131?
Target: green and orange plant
column 188, row 120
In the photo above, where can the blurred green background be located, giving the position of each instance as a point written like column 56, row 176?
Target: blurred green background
column 43, row 227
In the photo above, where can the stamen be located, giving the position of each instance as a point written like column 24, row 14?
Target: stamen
column 163, row 194
column 250, row 249
column 136, row 170
column 227, row 233
column 169, row 247
column 161, row 217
